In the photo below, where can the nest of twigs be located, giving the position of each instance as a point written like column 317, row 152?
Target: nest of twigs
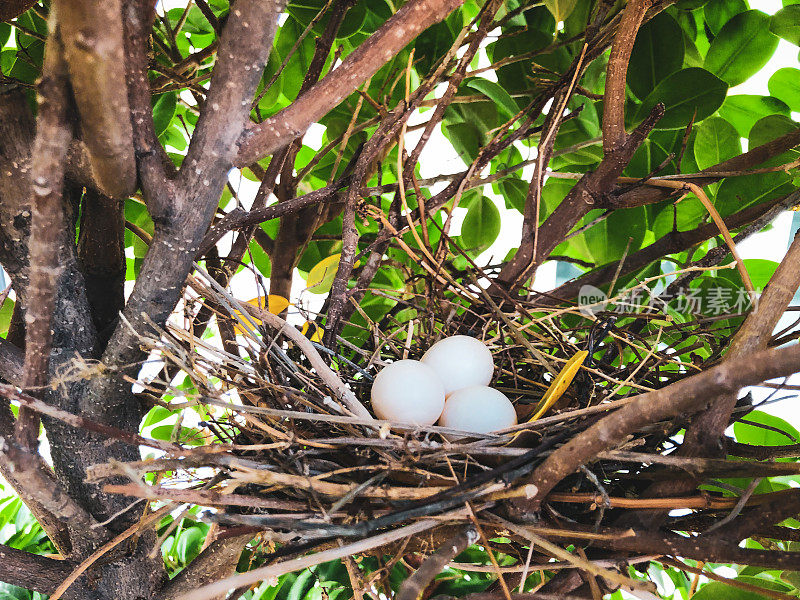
column 283, row 448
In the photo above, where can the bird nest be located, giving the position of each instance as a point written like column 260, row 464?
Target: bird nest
column 285, row 445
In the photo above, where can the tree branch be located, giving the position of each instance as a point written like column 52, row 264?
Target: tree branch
column 53, row 135
column 686, row 395
column 618, row 149
column 641, row 196
column 93, row 50
column 154, row 166
column 11, row 9
column 584, row 196
column 406, row 24
column 27, row 570
column 216, row 562
column 101, row 253
column 42, row 487
column 244, row 49
column 755, row 218
column 614, row 135
column 704, row 434
column 413, row 587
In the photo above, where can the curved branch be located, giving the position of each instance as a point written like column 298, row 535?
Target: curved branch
column 687, row 395
column 29, row 471
column 277, row 131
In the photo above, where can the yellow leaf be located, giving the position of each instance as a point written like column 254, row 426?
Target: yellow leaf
column 316, row 336
column 277, row 304
column 560, row 383
column 560, row 9
column 320, row 277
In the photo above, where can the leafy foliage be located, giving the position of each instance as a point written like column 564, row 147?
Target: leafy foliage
column 688, row 57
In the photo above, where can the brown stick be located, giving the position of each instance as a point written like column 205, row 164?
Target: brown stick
column 618, row 149
column 704, row 434
column 26, row 467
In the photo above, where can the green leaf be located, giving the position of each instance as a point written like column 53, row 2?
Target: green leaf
column 163, row 111
column 786, row 24
column 736, row 193
column 481, row 226
column 515, row 77
column 320, row 277
column 432, row 44
column 648, row 157
column 785, row 86
column 742, row 111
column 719, row 12
column 514, row 192
column 156, row 415
column 12, row 592
column 560, row 9
column 685, row 93
column 716, row 141
column 770, row 128
column 760, row 436
column 293, row 74
column 690, row 4
column 260, row 259
column 742, row 47
column 608, row 240
column 760, row 271
column 503, row 101
column 189, row 544
column 5, row 316
column 5, row 33
column 717, row 590
column 657, row 53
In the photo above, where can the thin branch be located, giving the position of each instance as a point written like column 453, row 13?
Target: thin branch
column 406, row 24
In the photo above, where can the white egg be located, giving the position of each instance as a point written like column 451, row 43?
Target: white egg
column 408, row 391
column 460, row 361
column 478, row 409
